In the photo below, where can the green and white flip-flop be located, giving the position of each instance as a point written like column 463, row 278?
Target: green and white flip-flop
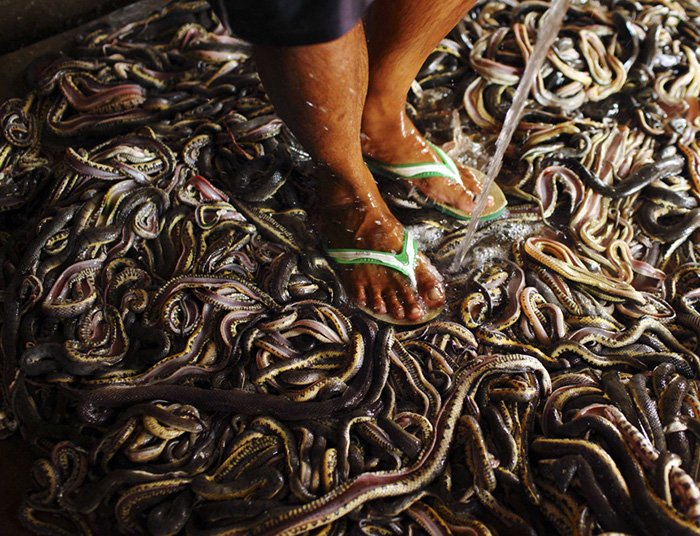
column 403, row 262
column 445, row 168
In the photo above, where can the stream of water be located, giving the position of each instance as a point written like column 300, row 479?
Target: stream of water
column 547, row 33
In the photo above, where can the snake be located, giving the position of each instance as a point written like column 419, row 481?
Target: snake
column 173, row 325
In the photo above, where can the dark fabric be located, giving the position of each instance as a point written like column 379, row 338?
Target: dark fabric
column 289, row 22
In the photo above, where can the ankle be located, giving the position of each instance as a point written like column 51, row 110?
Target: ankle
column 383, row 133
column 363, row 227
column 379, row 115
column 349, row 191
column 363, row 214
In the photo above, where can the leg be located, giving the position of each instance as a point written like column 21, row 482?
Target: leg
column 319, row 91
column 400, row 35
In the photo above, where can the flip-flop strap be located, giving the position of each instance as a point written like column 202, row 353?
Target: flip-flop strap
column 403, row 262
column 425, row 170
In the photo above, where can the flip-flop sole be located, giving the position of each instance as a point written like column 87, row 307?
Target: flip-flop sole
column 402, row 259
column 387, row 318
column 490, row 213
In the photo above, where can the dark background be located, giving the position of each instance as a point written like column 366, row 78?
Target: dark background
column 23, row 22
column 28, row 30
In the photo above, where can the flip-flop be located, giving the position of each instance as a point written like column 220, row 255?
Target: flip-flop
column 445, row 168
column 403, row 262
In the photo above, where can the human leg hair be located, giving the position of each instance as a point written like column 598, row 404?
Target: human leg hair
column 400, row 36
column 319, row 91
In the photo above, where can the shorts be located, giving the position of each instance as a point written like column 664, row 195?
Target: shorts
column 289, row 22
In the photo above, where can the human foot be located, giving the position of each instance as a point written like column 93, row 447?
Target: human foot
column 365, row 223
column 395, row 141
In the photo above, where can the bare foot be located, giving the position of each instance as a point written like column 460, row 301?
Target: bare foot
column 365, row 222
column 395, row 140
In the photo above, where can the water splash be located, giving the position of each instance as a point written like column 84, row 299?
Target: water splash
column 549, row 28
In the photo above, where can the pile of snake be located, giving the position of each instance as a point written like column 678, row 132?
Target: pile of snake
column 180, row 354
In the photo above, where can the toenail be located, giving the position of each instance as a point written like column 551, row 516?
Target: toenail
column 435, row 293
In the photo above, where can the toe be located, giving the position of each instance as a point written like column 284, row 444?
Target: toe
column 378, row 306
column 432, row 291
column 360, row 295
column 465, row 201
column 412, row 308
column 394, row 304
column 430, row 285
column 469, row 179
column 433, row 296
